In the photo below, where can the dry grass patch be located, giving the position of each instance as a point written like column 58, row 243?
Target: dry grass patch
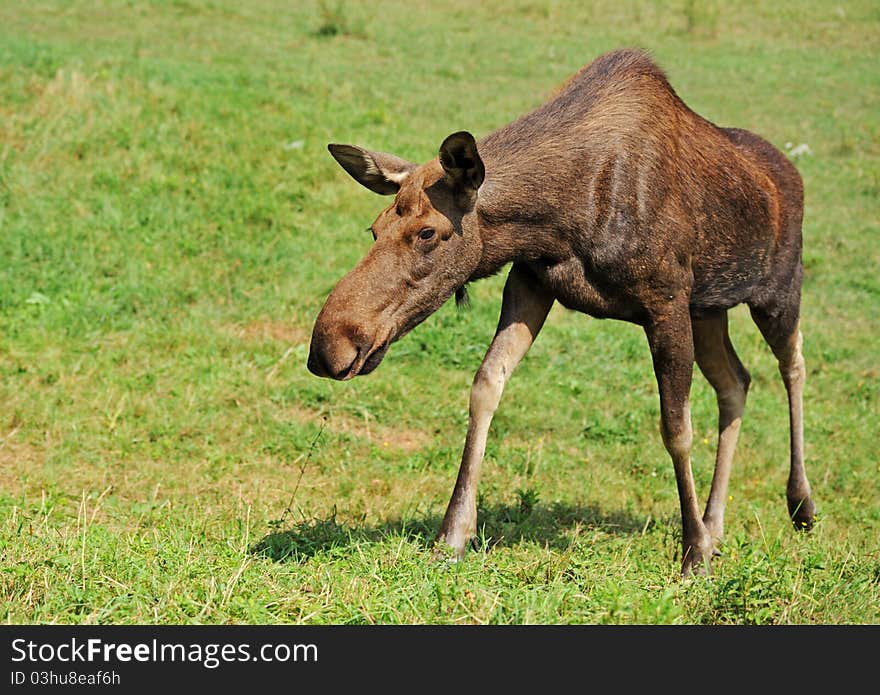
column 18, row 459
column 265, row 329
column 402, row 439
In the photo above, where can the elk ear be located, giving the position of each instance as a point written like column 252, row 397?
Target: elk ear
column 380, row 172
column 461, row 161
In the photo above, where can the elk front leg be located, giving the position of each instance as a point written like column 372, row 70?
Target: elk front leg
column 672, row 350
column 523, row 310
column 720, row 365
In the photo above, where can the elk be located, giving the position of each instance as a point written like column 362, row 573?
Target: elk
column 617, row 200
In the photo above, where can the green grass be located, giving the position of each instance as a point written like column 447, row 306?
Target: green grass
column 171, row 223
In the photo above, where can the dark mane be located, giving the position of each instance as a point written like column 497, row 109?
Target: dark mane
column 611, row 78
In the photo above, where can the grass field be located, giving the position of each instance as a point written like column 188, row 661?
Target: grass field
column 171, row 223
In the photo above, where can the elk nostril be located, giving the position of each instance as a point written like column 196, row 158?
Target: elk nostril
column 337, row 359
column 346, row 371
column 316, row 364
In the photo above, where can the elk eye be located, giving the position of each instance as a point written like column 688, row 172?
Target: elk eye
column 426, row 233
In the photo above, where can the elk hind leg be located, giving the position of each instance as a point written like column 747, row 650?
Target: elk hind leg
column 782, row 333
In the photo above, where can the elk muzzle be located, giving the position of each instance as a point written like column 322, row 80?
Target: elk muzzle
column 342, row 350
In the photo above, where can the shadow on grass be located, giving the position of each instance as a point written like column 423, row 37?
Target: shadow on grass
column 499, row 525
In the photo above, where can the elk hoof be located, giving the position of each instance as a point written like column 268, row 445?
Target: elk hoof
column 448, row 551
column 802, row 513
column 698, row 563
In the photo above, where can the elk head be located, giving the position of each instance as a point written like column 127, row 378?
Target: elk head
column 426, row 248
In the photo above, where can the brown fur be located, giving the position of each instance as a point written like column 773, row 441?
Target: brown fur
column 619, row 201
